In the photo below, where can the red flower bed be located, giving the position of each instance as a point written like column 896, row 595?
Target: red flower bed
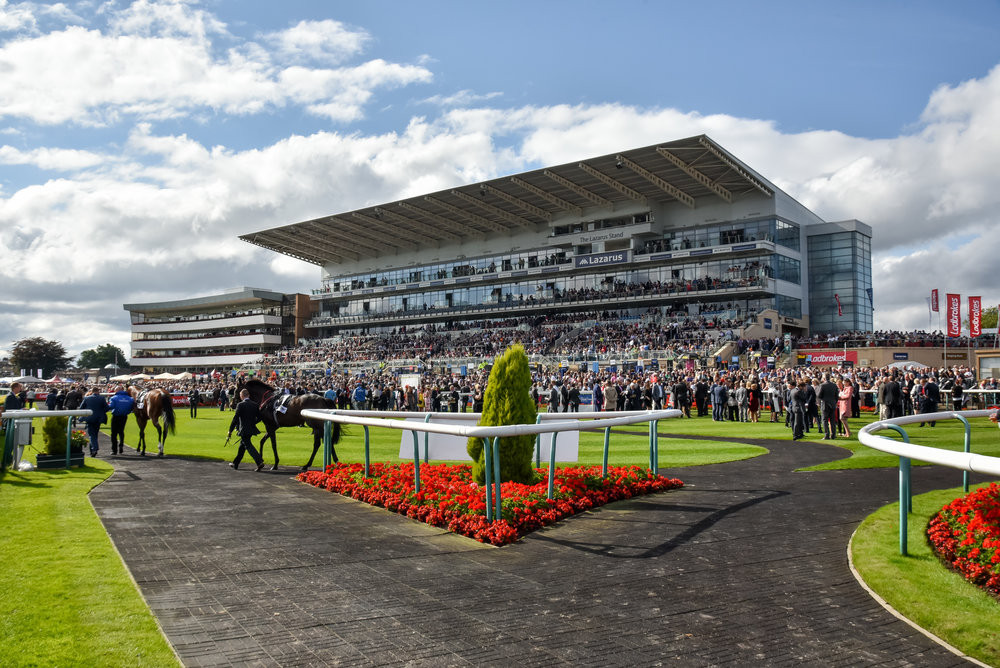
column 448, row 497
column 966, row 536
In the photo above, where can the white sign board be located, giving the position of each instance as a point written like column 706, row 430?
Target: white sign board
column 452, row 448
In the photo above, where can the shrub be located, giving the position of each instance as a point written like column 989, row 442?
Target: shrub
column 54, row 435
column 507, row 401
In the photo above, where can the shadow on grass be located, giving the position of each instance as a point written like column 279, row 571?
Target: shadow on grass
column 17, row 479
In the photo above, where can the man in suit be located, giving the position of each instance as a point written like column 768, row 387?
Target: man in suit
column 682, row 397
column 701, row 390
column 893, row 398
column 245, row 421
column 828, row 395
column 797, row 408
column 931, row 397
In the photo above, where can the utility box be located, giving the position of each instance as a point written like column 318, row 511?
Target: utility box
column 22, row 431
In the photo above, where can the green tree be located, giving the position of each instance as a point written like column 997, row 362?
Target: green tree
column 507, row 401
column 987, row 319
column 97, row 358
column 35, row 353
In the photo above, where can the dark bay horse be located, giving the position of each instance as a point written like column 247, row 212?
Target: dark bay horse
column 279, row 411
column 150, row 406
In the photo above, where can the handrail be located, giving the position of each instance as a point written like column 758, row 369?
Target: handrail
column 491, row 436
column 965, row 461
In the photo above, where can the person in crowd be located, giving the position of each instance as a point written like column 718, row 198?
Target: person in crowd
column 244, row 422
column 828, row 396
column 194, row 398
column 701, row 391
column 844, row 397
column 121, row 404
column 797, row 408
column 610, row 396
column 14, row 402
column 95, row 402
column 73, row 398
column 554, row 398
column 932, row 397
column 574, row 398
column 754, row 401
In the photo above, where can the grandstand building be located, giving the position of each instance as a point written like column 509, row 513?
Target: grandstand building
column 216, row 332
column 676, row 230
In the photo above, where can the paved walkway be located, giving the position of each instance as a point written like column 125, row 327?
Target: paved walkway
column 746, row 564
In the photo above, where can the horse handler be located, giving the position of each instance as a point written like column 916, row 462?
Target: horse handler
column 121, row 404
column 245, row 421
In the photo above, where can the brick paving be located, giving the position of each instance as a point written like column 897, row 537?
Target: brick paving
column 746, row 564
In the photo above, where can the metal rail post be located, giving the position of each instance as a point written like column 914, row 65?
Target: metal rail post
column 488, row 470
column 367, row 454
column 552, row 465
column 968, row 448
column 607, row 439
column 496, row 478
column 416, row 462
column 538, row 444
column 327, row 443
column 427, row 435
column 905, row 500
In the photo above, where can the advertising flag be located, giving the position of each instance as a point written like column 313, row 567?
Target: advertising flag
column 934, row 301
column 840, row 310
column 954, row 306
column 975, row 316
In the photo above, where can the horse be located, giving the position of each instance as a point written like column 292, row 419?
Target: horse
column 281, row 410
column 150, row 405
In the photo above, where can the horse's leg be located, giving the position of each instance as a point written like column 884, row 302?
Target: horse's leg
column 141, row 447
column 317, row 442
column 159, row 437
column 273, row 435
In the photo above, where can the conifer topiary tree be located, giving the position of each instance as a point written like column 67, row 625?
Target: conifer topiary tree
column 507, row 401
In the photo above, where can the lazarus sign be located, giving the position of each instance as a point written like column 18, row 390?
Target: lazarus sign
column 600, row 259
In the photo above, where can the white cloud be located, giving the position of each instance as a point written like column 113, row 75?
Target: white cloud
column 321, row 41
column 158, row 61
column 49, row 158
column 157, row 214
column 462, row 98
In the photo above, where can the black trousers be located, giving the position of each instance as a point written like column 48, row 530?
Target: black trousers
column 246, row 445
column 829, row 420
column 118, row 431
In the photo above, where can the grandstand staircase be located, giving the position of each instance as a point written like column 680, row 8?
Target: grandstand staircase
column 726, row 352
column 572, row 335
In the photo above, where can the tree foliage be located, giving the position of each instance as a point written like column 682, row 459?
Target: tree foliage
column 99, row 357
column 507, row 401
column 36, row 353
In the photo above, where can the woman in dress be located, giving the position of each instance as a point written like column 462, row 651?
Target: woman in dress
column 844, row 404
column 753, row 402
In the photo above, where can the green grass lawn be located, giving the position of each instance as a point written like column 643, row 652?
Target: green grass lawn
column 205, row 436
column 919, row 586
column 67, row 597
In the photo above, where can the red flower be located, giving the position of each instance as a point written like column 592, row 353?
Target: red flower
column 449, row 497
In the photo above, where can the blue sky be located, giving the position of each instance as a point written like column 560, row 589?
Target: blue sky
column 139, row 139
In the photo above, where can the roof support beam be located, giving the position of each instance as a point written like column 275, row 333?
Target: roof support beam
column 694, row 174
column 610, row 182
column 325, row 248
column 471, row 217
column 361, row 236
column 663, row 185
column 733, row 165
column 283, row 249
column 495, row 210
column 407, row 227
column 546, row 195
column 510, row 199
column 446, row 223
column 579, row 190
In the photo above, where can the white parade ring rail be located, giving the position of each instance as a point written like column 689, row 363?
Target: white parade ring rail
column 556, row 422
column 906, row 451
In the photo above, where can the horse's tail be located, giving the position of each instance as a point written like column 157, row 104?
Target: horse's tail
column 168, row 412
column 336, row 431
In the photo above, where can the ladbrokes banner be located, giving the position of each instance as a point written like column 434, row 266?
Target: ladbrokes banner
column 934, row 300
column 953, row 304
column 975, row 316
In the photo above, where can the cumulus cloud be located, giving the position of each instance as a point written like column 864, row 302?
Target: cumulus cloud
column 156, row 213
column 158, row 61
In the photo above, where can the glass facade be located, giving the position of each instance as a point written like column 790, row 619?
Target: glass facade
column 840, row 268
